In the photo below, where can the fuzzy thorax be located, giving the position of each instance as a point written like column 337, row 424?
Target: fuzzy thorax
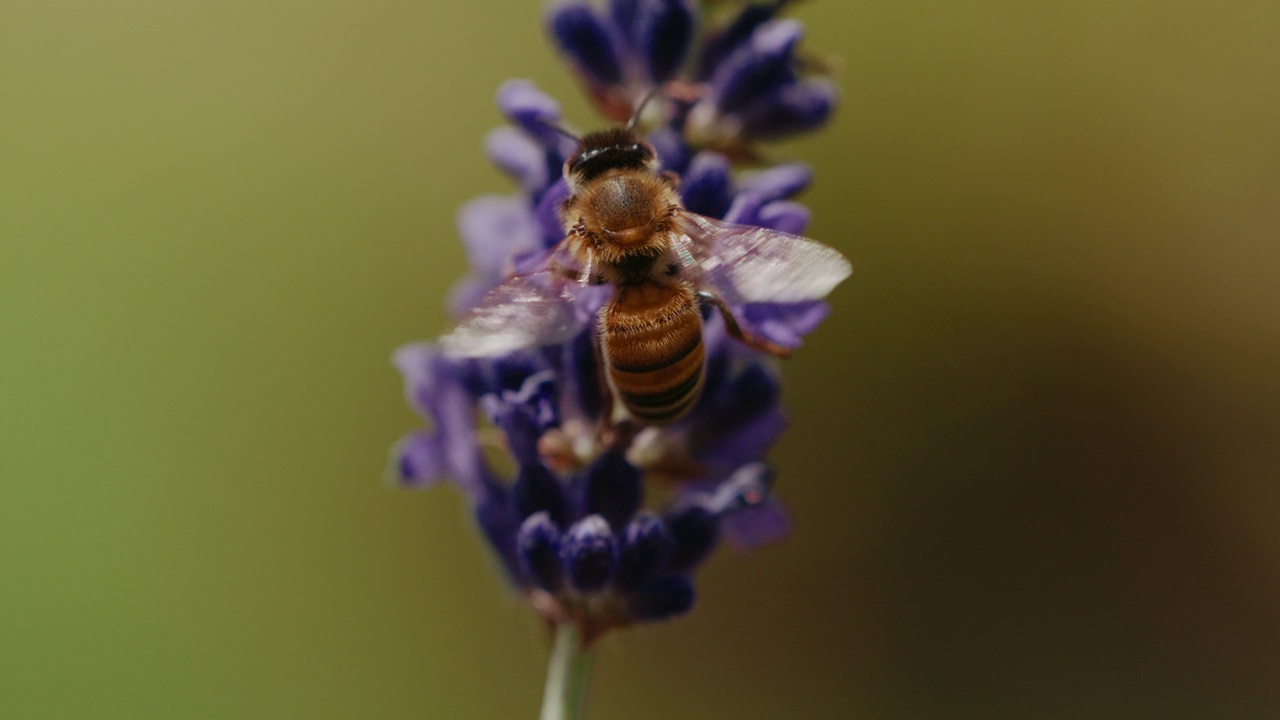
column 623, row 213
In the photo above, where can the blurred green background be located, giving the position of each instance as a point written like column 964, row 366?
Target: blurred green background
column 1035, row 460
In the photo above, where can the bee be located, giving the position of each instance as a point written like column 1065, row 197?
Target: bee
column 626, row 230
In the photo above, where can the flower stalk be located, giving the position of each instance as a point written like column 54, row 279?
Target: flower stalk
column 568, row 675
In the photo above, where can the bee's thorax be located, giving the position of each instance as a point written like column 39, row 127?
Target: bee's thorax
column 623, row 214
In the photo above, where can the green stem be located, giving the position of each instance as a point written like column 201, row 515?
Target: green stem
column 565, row 696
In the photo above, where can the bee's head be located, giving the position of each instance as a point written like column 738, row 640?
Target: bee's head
column 615, row 149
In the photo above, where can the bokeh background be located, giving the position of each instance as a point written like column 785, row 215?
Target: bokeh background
column 1035, row 460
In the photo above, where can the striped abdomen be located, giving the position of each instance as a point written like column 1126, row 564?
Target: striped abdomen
column 651, row 335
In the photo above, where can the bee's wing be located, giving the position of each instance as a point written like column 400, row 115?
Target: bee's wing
column 526, row 311
column 745, row 264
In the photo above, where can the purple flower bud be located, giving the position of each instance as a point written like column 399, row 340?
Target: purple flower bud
column 611, row 488
column 759, row 68
column 525, row 415
column 672, row 151
column 695, row 530
column 536, row 489
column 494, row 229
column 777, row 182
column 724, row 42
column 705, row 189
column 583, row 36
column 433, row 388
column 749, row 441
column 757, row 526
column 518, row 155
column 792, row 109
column 786, row 323
column 538, row 546
column 514, row 373
column 589, row 554
column 747, row 487
column 646, row 545
column 785, row 216
column 663, row 598
column 625, row 16
column 493, row 515
column 584, row 372
column 782, row 215
column 547, row 216
column 524, row 104
column 749, row 393
column 419, row 460
column 662, row 33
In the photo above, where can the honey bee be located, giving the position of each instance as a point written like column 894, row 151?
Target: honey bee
column 626, row 228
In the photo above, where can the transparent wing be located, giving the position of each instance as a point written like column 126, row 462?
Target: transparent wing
column 744, row 264
column 526, row 311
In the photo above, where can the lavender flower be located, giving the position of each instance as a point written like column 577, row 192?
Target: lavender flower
column 746, row 82
column 575, row 523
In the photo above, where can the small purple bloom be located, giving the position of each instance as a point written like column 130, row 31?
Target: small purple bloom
column 760, row 68
column 538, row 490
column 663, row 598
column 694, row 531
column 588, row 42
column 521, row 156
column 611, row 488
column 539, row 548
column 707, row 185
column 778, row 182
column 748, row 84
column 725, row 41
column 646, row 546
column 790, row 109
column 589, row 553
column 449, row 450
column 660, row 32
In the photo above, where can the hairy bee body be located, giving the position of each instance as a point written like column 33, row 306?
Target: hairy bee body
column 650, row 330
column 626, row 228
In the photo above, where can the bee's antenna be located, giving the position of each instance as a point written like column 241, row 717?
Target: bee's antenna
column 635, row 117
column 560, row 130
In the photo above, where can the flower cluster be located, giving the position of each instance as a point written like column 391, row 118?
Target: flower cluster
column 745, row 84
column 597, row 524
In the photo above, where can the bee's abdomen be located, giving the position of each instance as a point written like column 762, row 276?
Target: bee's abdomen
column 652, row 340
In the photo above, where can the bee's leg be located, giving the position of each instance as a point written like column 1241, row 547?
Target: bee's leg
column 736, row 332
column 606, row 391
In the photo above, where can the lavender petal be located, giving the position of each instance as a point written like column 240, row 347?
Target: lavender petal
column 583, row 36
column 778, row 182
column 790, row 110
column 538, row 547
column 784, row 216
column 519, row 155
column 705, row 189
column 663, row 32
column 726, row 41
column 759, row 68
column 589, row 553
column 663, row 599
column 754, row 527
column 495, row 229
